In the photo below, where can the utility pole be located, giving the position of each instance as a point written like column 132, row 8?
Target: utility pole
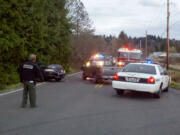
column 140, row 44
column 146, row 46
column 77, row 29
column 167, row 44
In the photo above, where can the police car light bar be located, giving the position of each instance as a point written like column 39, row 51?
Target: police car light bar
column 98, row 56
column 149, row 61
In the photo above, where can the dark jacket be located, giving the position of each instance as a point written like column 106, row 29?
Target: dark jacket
column 30, row 72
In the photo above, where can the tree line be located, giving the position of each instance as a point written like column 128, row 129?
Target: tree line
column 154, row 43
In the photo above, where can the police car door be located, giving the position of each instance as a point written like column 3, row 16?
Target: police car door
column 166, row 78
column 163, row 79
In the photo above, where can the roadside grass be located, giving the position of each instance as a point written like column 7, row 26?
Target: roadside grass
column 175, row 66
column 175, row 76
column 175, row 85
column 73, row 70
column 12, row 86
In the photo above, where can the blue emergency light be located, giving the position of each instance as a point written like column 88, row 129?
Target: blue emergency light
column 101, row 55
column 148, row 61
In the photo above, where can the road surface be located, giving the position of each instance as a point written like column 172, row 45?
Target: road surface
column 76, row 107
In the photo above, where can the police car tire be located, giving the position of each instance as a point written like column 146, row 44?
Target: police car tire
column 158, row 94
column 167, row 89
column 119, row 92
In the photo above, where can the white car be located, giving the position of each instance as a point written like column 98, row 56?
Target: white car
column 142, row 77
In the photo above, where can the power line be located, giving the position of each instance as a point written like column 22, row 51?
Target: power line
column 175, row 23
column 157, row 16
column 173, row 15
column 171, row 26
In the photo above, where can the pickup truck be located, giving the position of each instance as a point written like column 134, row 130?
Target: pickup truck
column 100, row 69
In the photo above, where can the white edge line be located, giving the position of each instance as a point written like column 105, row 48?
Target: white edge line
column 18, row 90
column 14, row 91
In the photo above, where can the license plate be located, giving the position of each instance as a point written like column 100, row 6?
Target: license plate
column 132, row 79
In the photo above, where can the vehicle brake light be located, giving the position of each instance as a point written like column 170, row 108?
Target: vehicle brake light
column 151, row 80
column 116, row 77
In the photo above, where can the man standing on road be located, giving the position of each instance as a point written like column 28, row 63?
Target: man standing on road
column 28, row 75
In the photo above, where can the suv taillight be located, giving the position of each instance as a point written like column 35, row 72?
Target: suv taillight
column 116, row 77
column 151, row 80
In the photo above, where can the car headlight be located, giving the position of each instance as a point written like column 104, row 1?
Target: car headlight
column 88, row 64
column 100, row 63
column 49, row 70
column 63, row 71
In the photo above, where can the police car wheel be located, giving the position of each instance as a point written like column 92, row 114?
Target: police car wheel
column 158, row 94
column 119, row 92
column 167, row 89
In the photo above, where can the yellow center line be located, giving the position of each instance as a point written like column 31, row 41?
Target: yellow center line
column 96, row 86
column 99, row 85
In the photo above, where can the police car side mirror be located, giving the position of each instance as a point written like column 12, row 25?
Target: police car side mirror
column 165, row 73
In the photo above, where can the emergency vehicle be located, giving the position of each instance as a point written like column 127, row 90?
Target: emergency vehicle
column 99, row 68
column 126, row 56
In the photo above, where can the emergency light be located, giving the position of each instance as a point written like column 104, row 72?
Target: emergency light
column 149, row 61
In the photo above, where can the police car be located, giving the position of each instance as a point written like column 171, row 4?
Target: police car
column 142, row 77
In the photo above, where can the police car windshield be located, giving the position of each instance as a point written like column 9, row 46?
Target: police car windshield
column 139, row 68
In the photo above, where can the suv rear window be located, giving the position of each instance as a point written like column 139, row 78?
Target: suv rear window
column 138, row 68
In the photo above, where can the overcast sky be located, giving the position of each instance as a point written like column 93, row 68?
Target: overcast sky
column 133, row 16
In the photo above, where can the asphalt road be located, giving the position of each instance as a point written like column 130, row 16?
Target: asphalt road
column 76, row 107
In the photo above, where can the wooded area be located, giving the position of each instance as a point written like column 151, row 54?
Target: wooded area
column 32, row 26
column 58, row 31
